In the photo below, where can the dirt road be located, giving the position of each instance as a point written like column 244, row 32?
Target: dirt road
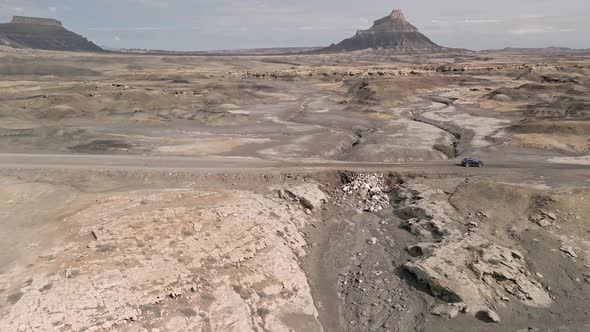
column 135, row 162
column 530, row 172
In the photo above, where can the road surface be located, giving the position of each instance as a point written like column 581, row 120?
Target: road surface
column 216, row 163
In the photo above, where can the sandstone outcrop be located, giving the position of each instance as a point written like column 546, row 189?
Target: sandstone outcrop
column 393, row 33
column 459, row 267
column 45, row 34
column 175, row 260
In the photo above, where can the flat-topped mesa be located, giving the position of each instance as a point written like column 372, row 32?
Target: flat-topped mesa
column 36, row 21
column 44, row 34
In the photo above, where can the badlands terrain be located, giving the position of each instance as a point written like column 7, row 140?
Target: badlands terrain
column 294, row 192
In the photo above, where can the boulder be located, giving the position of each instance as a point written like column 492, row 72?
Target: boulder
column 309, row 195
column 449, row 310
column 488, row 316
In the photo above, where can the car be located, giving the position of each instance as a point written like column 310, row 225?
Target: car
column 471, row 162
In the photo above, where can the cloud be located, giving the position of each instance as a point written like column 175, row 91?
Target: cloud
column 468, row 21
column 318, row 28
column 117, row 38
column 530, row 16
column 26, row 8
column 128, row 29
column 151, row 3
column 479, row 21
column 538, row 30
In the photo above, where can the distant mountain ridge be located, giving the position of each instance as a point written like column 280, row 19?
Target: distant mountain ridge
column 391, row 32
column 44, row 34
column 246, row 51
column 541, row 50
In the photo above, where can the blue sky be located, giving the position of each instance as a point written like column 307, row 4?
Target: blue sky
column 225, row 24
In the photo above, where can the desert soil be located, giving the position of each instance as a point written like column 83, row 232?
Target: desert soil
column 294, row 193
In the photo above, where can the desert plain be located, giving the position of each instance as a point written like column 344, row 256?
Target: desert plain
column 296, row 192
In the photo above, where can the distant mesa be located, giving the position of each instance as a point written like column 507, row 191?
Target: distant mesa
column 43, row 34
column 392, row 33
column 36, row 21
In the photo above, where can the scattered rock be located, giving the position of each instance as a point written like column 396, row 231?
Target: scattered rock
column 450, row 310
column 443, row 265
column 497, row 269
column 482, row 214
column 370, row 190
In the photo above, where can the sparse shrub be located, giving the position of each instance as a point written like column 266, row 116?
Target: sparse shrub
column 188, row 312
column 152, row 308
column 244, row 293
column 263, row 312
column 104, row 248
column 15, row 297
column 46, row 287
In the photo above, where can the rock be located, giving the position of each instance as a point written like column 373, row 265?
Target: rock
column 488, row 316
column 420, row 249
column 568, row 250
column 364, row 194
column 369, row 189
column 482, row 214
column 544, row 223
column 308, row 212
column 372, row 240
column 450, row 310
column 309, row 195
column 102, row 293
column 535, row 217
column 549, row 215
column 496, row 269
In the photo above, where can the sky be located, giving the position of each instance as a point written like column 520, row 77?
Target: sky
column 192, row 25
